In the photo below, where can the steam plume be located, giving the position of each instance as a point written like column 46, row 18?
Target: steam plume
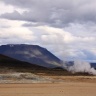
column 80, row 66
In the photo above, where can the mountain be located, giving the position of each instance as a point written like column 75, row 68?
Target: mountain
column 6, row 61
column 33, row 54
column 11, row 65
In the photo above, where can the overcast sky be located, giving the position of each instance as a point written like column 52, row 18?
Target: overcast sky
column 67, row 28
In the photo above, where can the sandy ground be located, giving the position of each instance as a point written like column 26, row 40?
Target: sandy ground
column 55, row 89
column 33, row 85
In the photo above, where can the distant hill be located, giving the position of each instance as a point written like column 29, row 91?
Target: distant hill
column 93, row 65
column 32, row 54
column 70, row 63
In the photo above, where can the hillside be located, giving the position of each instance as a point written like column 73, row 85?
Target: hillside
column 32, row 54
column 8, row 65
column 15, row 71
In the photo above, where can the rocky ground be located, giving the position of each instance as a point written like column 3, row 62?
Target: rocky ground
column 18, row 77
column 23, row 78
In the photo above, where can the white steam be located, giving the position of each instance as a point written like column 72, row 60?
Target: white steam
column 80, row 66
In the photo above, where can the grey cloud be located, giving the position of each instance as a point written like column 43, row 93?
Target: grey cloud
column 12, row 16
column 28, row 24
column 55, row 13
column 20, row 3
column 31, row 24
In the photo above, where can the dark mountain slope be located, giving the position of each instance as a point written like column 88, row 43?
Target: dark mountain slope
column 33, row 54
column 8, row 64
column 6, row 61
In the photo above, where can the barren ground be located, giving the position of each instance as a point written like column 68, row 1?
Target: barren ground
column 56, row 89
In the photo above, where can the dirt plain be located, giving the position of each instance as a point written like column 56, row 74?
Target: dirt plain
column 65, row 88
column 58, row 85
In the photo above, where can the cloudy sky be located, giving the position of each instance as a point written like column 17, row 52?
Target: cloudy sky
column 67, row 28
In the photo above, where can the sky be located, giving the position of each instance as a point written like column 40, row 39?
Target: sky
column 67, row 28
